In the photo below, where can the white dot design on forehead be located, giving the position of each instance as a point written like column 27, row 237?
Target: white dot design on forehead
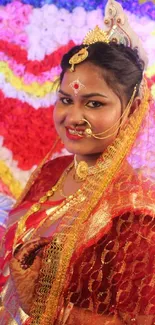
column 76, row 85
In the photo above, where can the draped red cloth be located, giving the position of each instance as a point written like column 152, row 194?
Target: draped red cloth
column 111, row 273
column 49, row 175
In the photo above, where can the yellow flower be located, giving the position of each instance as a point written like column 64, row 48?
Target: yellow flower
column 35, row 88
column 150, row 71
column 7, row 177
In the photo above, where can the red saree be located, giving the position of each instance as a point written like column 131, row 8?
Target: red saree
column 101, row 257
column 113, row 274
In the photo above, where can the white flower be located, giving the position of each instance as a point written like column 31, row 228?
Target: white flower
column 79, row 17
column 64, row 18
column 50, row 12
column 77, row 35
column 61, row 35
column 94, row 18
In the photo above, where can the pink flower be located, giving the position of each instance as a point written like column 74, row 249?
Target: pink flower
column 7, row 34
column 16, row 23
column 3, row 18
column 21, row 39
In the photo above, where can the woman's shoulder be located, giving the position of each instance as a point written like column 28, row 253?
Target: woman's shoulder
column 59, row 163
column 47, row 177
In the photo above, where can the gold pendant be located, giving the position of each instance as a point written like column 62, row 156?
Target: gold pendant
column 78, row 57
column 81, row 171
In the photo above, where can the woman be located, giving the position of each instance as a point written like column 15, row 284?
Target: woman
column 80, row 245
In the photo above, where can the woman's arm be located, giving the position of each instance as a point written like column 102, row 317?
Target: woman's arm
column 24, row 270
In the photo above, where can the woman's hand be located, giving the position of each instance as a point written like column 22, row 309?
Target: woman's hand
column 24, row 270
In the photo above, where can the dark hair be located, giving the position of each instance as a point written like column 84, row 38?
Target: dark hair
column 121, row 65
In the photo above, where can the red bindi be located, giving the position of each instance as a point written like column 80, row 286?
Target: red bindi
column 76, row 86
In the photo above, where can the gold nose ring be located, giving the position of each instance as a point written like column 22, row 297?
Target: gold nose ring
column 88, row 132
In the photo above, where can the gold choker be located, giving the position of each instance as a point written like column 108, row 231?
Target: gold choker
column 82, row 170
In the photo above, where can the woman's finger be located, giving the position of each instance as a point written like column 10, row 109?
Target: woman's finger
column 27, row 253
column 31, row 246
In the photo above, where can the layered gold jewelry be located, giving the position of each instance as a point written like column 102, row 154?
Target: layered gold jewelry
column 82, row 170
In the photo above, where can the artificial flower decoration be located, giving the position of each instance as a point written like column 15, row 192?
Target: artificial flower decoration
column 34, row 35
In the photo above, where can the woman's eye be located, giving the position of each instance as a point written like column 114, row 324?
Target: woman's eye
column 65, row 100
column 94, row 104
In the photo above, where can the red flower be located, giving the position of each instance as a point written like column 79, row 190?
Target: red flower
column 35, row 67
column 27, row 132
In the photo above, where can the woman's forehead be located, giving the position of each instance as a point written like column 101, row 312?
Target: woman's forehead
column 87, row 74
column 87, row 78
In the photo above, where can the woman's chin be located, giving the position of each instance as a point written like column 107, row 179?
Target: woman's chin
column 81, row 151
column 81, row 147
column 74, row 147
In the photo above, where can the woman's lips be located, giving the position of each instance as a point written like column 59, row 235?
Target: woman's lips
column 73, row 134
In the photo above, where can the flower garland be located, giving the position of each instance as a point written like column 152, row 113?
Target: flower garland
column 40, row 24
column 13, row 20
column 20, row 175
column 19, row 70
column 35, row 102
column 35, row 89
column 10, row 168
column 8, row 179
column 151, row 71
column 36, row 67
column 146, row 8
column 49, row 27
column 29, row 134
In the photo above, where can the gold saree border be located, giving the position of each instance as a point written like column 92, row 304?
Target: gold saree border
column 115, row 154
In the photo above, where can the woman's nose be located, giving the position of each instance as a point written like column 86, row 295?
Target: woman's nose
column 74, row 115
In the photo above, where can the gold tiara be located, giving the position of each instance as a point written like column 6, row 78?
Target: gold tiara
column 96, row 35
column 117, row 30
column 93, row 36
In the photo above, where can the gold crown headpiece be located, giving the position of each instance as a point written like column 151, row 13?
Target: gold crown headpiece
column 117, row 29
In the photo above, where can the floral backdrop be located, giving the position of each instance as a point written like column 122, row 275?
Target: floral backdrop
column 34, row 35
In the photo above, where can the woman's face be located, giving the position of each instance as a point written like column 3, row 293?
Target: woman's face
column 93, row 101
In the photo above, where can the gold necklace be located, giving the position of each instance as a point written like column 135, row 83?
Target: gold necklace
column 82, row 170
column 37, row 206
